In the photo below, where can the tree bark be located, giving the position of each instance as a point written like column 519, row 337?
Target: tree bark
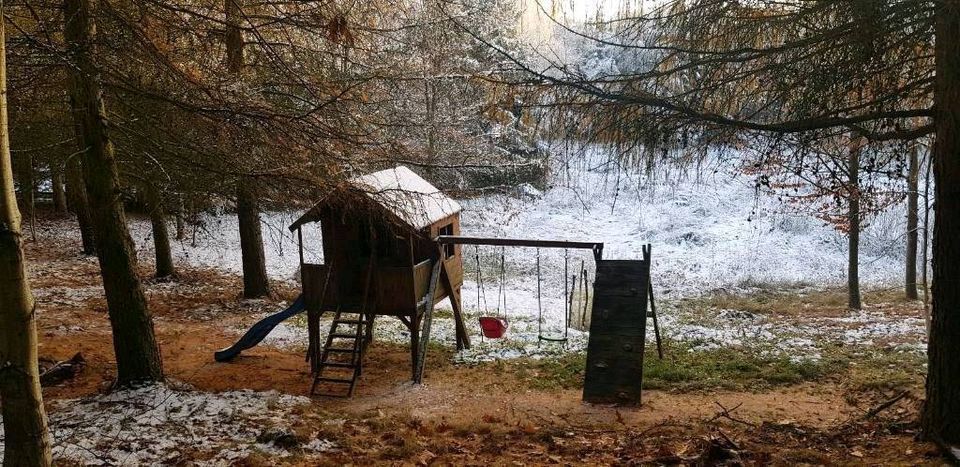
column 134, row 343
column 941, row 412
column 255, row 282
column 161, row 235
column 925, row 271
column 56, row 182
column 27, row 194
column 913, row 198
column 24, row 420
column 853, row 221
column 181, row 225
column 77, row 197
column 28, row 185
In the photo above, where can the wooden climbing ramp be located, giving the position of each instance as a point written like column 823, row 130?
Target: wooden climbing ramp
column 614, row 372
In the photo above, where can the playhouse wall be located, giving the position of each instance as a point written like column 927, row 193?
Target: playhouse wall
column 398, row 281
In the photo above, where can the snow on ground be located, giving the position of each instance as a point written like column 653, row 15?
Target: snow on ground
column 216, row 243
column 155, row 424
column 710, row 231
column 799, row 339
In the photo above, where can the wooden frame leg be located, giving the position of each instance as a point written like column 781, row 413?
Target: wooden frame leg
column 414, row 344
column 368, row 332
column 463, row 338
column 313, row 338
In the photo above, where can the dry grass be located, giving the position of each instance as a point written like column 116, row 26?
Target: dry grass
column 801, row 302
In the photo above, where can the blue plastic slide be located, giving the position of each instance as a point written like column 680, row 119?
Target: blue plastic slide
column 259, row 331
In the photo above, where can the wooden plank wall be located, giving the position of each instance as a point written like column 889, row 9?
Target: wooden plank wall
column 312, row 277
column 614, row 372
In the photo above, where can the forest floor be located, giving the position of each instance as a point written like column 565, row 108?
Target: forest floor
column 701, row 405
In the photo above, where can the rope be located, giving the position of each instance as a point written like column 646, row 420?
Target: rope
column 481, row 291
column 539, row 302
column 567, row 297
column 566, row 317
column 503, row 279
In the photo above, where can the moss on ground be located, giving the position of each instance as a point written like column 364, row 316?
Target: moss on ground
column 684, row 369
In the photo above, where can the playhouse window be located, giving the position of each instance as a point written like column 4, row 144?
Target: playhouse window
column 448, row 249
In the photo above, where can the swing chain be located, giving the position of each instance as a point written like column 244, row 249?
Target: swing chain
column 503, row 291
column 480, row 287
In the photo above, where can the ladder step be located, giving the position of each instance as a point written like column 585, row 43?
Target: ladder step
column 324, row 379
column 334, row 349
column 349, row 321
column 338, row 364
column 344, row 336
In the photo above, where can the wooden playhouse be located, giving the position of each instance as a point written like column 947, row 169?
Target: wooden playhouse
column 379, row 259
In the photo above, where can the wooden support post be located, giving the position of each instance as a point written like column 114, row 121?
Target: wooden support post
column 463, row 339
column 300, row 244
column 313, row 339
column 419, row 343
column 368, row 332
column 415, row 346
column 656, row 325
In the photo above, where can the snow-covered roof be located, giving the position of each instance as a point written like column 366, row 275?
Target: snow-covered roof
column 407, row 195
column 401, row 192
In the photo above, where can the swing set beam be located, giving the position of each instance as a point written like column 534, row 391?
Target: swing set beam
column 596, row 247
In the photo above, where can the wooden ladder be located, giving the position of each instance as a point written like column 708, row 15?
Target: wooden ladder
column 341, row 361
column 341, row 364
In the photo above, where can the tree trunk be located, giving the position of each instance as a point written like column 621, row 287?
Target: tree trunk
column 926, row 245
column 27, row 186
column 255, row 283
column 134, row 343
column 913, row 196
column 941, row 412
column 27, row 194
column 181, row 225
column 77, row 197
column 24, row 421
column 161, row 235
column 853, row 218
column 56, row 182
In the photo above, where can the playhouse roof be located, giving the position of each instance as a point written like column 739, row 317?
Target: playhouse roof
column 401, row 192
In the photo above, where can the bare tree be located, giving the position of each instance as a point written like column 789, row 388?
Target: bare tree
column 255, row 281
column 77, row 200
column 941, row 410
column 56, row 185
column 24, row 420
column 913, row 200
column 853, row 226
column 134, row 343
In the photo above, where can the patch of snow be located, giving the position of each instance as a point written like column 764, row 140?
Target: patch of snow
column 67, row 296
column 154, row 424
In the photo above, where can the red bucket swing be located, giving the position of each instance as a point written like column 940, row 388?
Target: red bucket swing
column 492, row 327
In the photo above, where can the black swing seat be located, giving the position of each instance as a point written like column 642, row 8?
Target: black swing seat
column 552, row 339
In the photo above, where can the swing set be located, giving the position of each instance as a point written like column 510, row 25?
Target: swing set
column 495, row 326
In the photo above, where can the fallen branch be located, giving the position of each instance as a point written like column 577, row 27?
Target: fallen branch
column 880, row 408
column 726, row 413
column 63, row 371
column 730, row 443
